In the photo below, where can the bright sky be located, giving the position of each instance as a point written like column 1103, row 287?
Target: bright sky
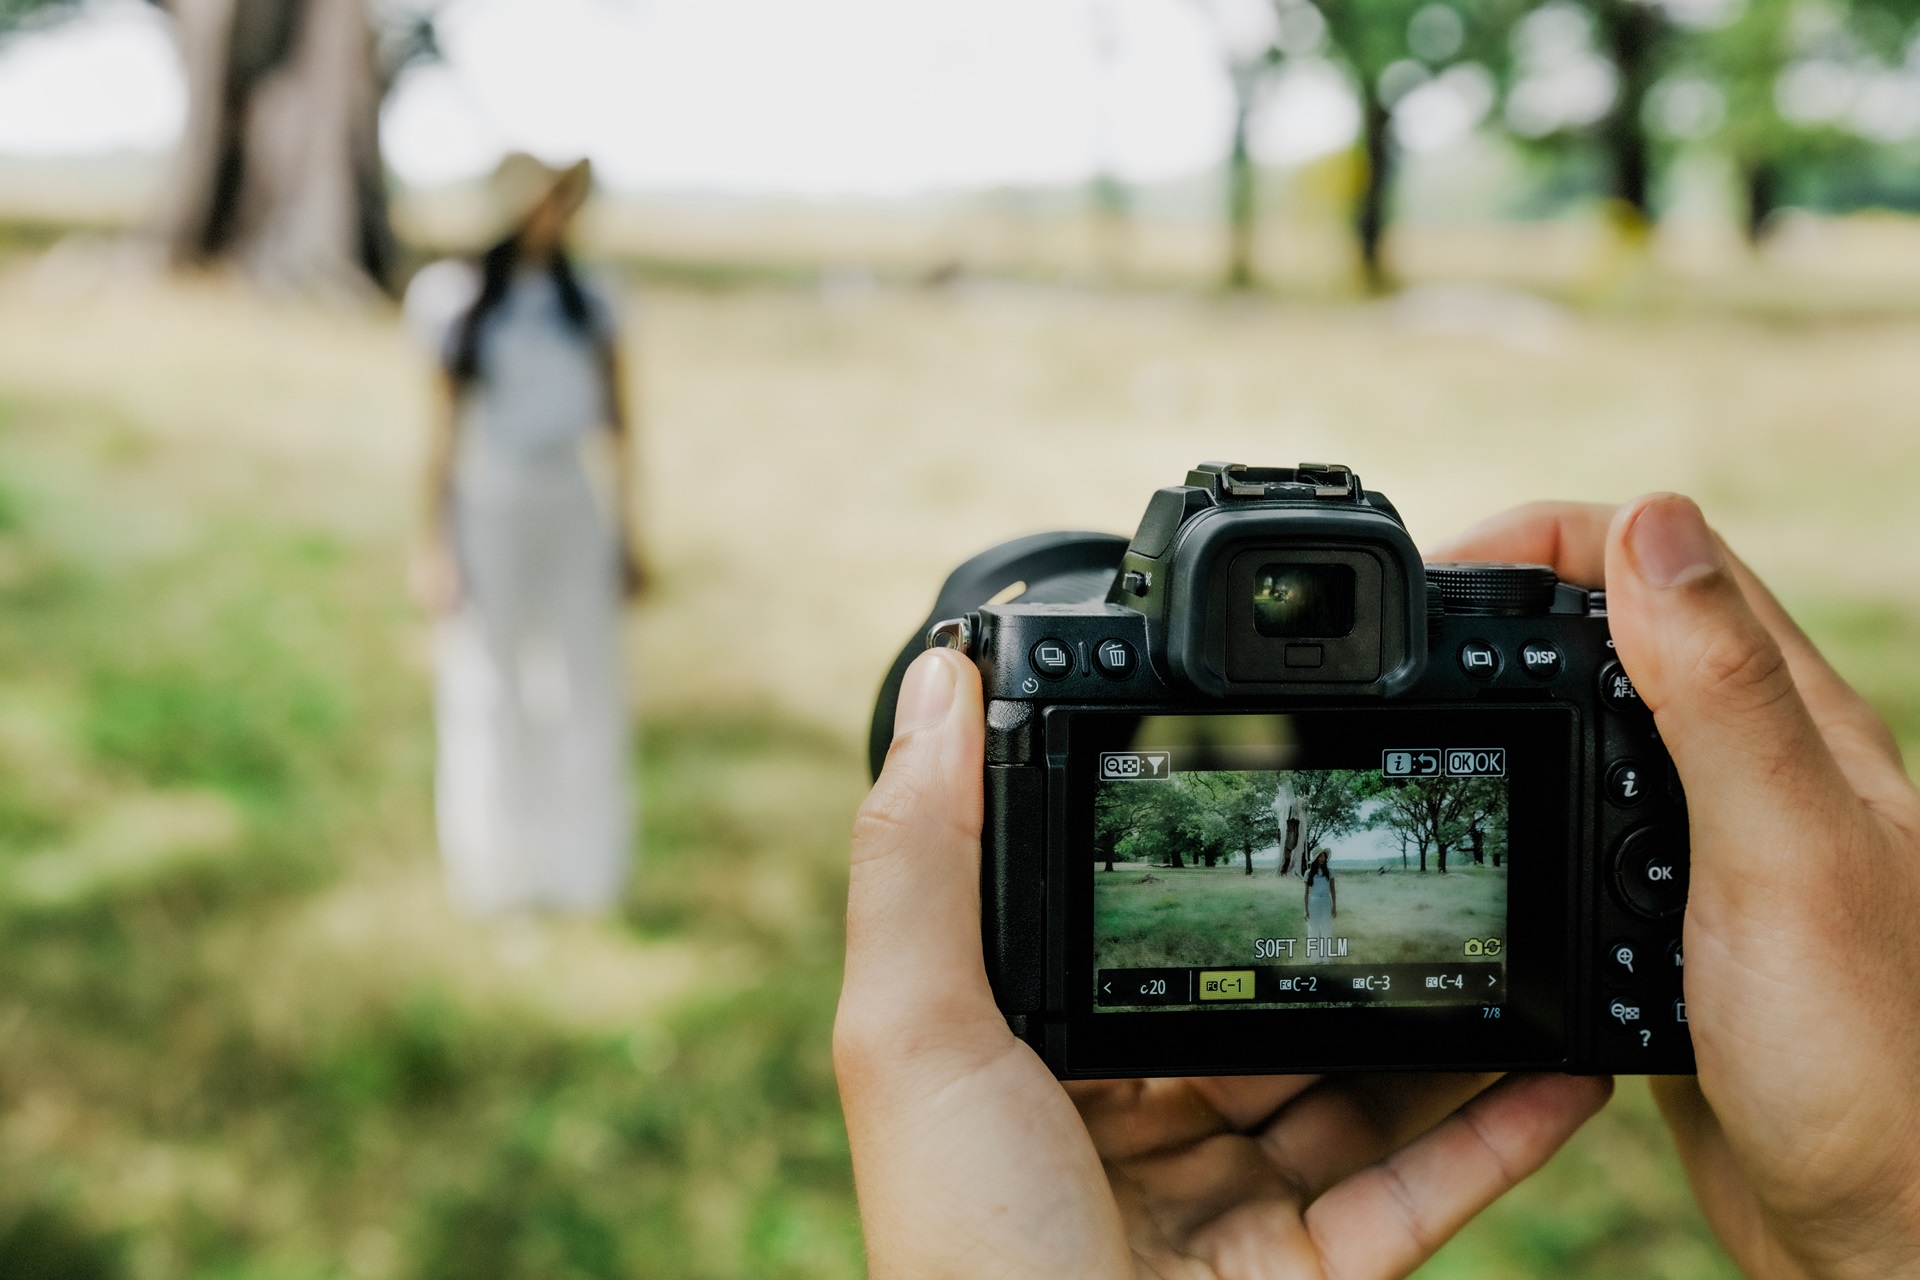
column 823, row 98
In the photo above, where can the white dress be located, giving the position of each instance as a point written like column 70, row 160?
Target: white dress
column 531, row 791
column 1320, row 915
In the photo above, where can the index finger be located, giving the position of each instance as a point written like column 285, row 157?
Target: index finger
column 1569, row 537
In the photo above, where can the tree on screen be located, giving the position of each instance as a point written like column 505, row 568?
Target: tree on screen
column 1434, row 814
column 1243, row 803
column 1482, row 825
column 1154, row 822
column 1312, row 806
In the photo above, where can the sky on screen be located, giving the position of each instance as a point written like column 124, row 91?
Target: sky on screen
column 827, row 98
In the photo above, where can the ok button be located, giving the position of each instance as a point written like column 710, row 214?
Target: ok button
column 1650, row 867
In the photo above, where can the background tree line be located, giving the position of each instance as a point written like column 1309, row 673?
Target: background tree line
column 1815, row 101
column 1811, row 100
column 1205, row 818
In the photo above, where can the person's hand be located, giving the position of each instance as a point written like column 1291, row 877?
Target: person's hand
column 433, row 576
column 972, row 1161
column 1801, row 1134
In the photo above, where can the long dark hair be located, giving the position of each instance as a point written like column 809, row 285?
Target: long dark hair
column 497, row 266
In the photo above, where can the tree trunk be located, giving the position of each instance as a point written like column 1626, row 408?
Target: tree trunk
column 1441, row 863
column 1290, row 844
column 1240, row 190
column 1370, row 217
column 279, row 168
column 1403, row 851
column 1247, row 850
column 1423, row 855
column 1632, row 32
column 1763, row 198
column 1479, row 843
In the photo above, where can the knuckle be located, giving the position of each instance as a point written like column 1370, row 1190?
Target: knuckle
column 858, row 1039
column 904, row 789
column 913, row 798
column 1741, row 669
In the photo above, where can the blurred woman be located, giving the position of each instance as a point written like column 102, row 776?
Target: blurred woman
column 1321, row 906
column 526, row 560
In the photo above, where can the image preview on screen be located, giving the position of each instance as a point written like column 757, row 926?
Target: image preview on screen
column 1263, row 888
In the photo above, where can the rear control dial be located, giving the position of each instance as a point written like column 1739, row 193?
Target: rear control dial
column 1650, row 870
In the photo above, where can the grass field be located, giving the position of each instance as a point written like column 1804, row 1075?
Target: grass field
column 1145, row 918
column 240, row 1034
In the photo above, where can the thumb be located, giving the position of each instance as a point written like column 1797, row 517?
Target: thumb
column 913, row 895
column 1757, row 773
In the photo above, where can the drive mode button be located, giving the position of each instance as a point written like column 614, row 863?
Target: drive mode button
column 1052, row 659
column 1650, row 867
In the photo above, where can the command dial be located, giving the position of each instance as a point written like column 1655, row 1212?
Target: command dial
column 1494, row 590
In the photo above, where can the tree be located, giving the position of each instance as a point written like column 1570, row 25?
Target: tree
column 1392, row 47
column 1154, row 821
column 279, row 166
column 1371, row 37
column 1246, row 810
column 1311, row 806
column 1771, row 72
column 1434, row 812
column 1113, row 816
column 1636, row 35
column 1483, row 819
column 1248, row 32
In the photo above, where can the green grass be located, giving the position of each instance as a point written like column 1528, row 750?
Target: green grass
column 242, row 1037
column 1146, row 918
column 216, row 1057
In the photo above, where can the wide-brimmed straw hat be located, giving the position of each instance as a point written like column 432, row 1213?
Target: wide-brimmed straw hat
column 520, row 183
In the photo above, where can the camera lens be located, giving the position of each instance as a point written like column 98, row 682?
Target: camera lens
column 1293, row 600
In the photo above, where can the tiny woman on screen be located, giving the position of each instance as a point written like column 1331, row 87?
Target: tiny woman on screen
column 526, row 560
column 1321, row 905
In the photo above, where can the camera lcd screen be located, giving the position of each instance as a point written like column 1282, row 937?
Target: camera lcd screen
column 1293, row 601
column 1233, row 871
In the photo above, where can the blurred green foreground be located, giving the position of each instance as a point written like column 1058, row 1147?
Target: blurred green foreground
column 240, row 1034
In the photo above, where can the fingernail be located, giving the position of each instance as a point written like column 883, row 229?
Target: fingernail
column 925, row 694
column 1672, row 544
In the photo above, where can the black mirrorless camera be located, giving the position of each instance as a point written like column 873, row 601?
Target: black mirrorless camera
column 1264, row 793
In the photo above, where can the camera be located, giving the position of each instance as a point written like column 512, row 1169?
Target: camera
column 1265, row 793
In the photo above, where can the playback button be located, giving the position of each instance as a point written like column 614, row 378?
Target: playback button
column 1051, row 658
column 1650, row 868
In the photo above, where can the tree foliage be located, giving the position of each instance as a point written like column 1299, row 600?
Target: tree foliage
column 1203, row 818
column 1437, row 815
